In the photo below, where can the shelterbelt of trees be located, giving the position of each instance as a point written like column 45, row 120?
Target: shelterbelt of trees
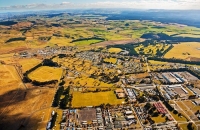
column 45, row 62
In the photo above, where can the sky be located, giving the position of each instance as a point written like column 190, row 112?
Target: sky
column 81, row 4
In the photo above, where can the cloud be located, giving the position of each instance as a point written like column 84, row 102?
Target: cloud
column 134, row 4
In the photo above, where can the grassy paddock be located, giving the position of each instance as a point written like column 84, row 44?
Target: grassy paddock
column 87, row 42
column 27, row 64
column 111, row 60
column 95, row 99
column 114, row 50
column 184, row 50
column 46, row 73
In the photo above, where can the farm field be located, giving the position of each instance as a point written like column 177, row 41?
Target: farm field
column 95, row 99
column 19, row 106
column 61, row 41
column 45, row 73
column 114, row 50
column 27, row 64
column 87, row 42
column 111, row 60
column 9, row 79
column 157, row 62
column 179, row 51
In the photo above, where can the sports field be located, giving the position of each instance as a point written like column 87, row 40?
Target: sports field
column 184, row 50
column 46, row 73
column 95, row 99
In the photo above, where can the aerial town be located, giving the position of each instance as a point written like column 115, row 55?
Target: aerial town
column 69, row 72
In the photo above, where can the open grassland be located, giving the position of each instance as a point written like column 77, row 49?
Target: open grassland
column 13, row 47
column 61, row 41
column 7, row 58
column 184, row 50
column 95, row 99
column 27, row 64
column 9, row 78
column 112, row 31
column 78, row 32
column 19, row 106
column 114, row 50
column 46, row 73
column 111, row 60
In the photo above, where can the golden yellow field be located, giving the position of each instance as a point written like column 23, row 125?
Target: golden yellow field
column 27, row 64
column 46, row 73
column 111, row 60
column 184, row 50
column 114, row 50
column 19, row 104
column 157, row 62
column 9, row 78
column 95, row 99
column 60, row 41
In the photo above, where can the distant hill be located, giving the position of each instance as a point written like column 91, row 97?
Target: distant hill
column 163, row 36
column 191, row 17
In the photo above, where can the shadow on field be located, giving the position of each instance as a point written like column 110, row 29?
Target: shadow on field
column 10, row 117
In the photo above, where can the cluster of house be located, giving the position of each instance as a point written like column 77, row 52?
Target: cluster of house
column 46, row 52
column 97, row 58
column 98, row 118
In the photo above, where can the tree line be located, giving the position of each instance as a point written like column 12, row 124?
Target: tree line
column 45, row 62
